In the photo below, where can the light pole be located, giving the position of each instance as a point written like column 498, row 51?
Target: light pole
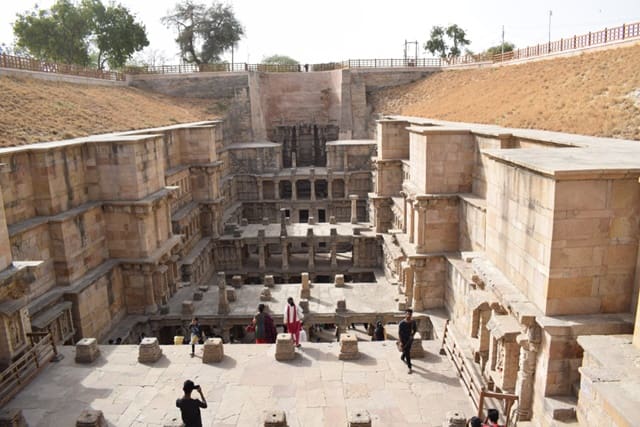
column 550, row 13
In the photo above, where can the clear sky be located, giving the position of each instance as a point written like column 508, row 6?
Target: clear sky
column 316, row 31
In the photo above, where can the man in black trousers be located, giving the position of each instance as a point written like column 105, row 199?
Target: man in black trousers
column 406, row 328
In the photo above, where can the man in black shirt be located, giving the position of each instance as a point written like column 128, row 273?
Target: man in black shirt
column 406, row 328
column 190, row 408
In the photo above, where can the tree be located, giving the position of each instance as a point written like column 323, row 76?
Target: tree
column 279, row 60
column 74, row 33
column 502, row 47
column 438, row 43
column 204, row 33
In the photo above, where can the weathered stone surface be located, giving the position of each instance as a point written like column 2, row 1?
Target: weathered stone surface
column 231, row 295
column 87, row 350
column 268, row 280
column 341, row 306
column 187, row 307
column 197, row 296
column 265, row 294
column 454, row 419
column 236, row 281
column 213, row 350
column 149, row 350
column 339, row 280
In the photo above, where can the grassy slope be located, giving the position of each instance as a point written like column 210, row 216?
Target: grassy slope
column 594, row 93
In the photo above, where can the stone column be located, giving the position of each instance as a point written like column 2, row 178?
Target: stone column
column 313, row 189
column 260, row 195
column 305, row 291
column 262, row 261
column 354, row 208
column 312, row 249
column 412, row 219
column 404, row 212
column 294, row 189
column 407, row 272
column 276, row 189
column 334, row 258
column 283, row 222
column 285, row 253
column 329, row 188
column 417, row 265
column 151, row 305
column 529, row 344
column 223, row 303
column 420, row 244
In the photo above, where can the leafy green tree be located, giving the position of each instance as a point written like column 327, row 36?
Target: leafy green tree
column 441, row 37
column 75, row 33
column 204, row 33
column 502, row 47
column 437, row 43
column 279, row 60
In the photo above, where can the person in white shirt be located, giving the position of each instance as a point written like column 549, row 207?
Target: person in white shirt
column 303, row 333
column 293, row 320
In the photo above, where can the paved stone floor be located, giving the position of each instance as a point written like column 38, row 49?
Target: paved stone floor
column 316, row 389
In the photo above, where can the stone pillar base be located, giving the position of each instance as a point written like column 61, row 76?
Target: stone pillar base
column 87, row 350
column 285, row 349
column 454, row 419
column 213, row 351
column 91, row 418
column 275, row 419
column 348, row 347
column 149, row 350
column 359, row 418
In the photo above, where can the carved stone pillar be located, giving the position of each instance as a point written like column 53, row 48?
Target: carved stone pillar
column 529, row 345
column 407, row 272
column 412, row 222
column 260, row 193
column 151, row 305
column 404, row 212
column 261, row 250
column 294, row 189
column 422, row 229
column 312, row 249
column 330, row 187
column 313, row 189
column 223, row 302
column 276, row 189
column 354, row 208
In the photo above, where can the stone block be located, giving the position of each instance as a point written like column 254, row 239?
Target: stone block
column 268, row 281
column 12, row 417
column 265, row 220
column 454, row 419
column 231, row 295
column 244, row 222
column 87, row 350
column 339, row 280
column 91, row 418
column 417, row 350
column 203, row 288
column 187, row 307
column 164, row 309
column 402, row 303
column 237, row 233
column 285, row 349
column 332, row 220
column 359, row 418
column 236, row 281
column 341, row 306
column 275, row 418
column 149, row 350
column 265, row 295
column 348, row 347
column 197, row 296
column 311, row 220
column 213, row 350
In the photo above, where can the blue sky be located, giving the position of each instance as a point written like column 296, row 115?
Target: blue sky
column 334, row 30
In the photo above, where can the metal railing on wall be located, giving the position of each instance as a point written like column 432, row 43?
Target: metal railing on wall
column 31, row 64
column 598, row 38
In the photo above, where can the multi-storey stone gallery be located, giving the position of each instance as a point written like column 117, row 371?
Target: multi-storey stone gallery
column 526, row 240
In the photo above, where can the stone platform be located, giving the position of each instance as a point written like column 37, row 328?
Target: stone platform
column 314, row 389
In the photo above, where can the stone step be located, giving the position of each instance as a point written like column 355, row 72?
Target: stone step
column 561, row 408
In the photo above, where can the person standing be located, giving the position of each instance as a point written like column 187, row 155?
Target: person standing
column 190, row 408
column 379, row 333
column 264, row 327
column 293, row 319
column 196, row 333
column 406, row 328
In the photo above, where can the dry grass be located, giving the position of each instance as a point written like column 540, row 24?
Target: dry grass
column 33, row 110
column 594, row 93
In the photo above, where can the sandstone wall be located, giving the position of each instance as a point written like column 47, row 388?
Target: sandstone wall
column 17, row 187
column 595, row 246
column 480, row 163
column 33, row 243
column 5, row 247
column 473, row 218
column 395, row 136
